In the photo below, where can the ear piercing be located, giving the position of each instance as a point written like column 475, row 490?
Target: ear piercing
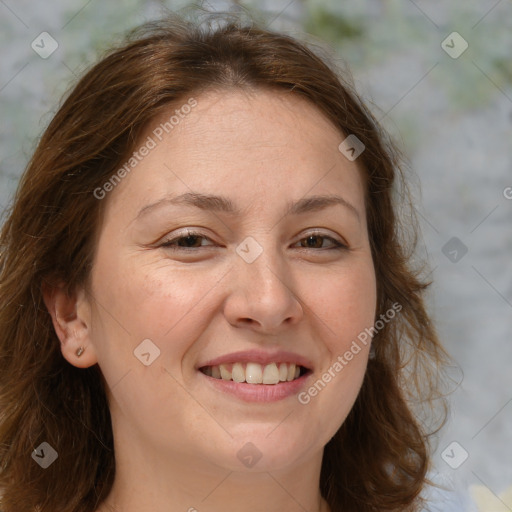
column 80, row 351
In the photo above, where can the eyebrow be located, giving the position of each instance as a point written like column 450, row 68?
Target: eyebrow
column 320, row 202
column 217, row 203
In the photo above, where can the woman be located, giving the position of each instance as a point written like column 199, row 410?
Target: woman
column 207, row 299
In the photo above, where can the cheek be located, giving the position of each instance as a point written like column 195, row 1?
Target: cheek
column 162, row 303
column 150, row 303
column 344, row 303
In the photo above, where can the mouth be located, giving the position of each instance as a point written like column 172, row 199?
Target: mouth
column 256, row 373
column 257, row 376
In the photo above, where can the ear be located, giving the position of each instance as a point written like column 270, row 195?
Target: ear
column 71, row 316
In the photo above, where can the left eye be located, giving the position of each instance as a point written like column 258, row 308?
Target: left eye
column 188, row 241
column 316, row 241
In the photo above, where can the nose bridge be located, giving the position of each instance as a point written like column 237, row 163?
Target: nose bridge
column 262, row 262
column 262, row 290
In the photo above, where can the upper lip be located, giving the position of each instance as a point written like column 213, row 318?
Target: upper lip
column 261, row 357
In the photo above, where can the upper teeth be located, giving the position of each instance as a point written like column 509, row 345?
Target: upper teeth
column 254, row 373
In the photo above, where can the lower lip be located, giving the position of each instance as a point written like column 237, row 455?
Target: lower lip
column 259, row 392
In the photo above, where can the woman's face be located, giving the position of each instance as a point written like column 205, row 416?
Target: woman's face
column 225, row 243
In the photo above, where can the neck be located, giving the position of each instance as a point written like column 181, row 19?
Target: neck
column 147, row 482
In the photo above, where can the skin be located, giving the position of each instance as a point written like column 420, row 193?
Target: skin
column 177, row 438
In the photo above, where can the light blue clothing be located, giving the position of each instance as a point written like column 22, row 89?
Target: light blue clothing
column 448, row 499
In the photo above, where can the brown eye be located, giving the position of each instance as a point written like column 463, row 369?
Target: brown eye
column 313, row 241
column 316, row 241
column 189, row 241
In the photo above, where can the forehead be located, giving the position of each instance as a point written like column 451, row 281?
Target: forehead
column 255, row 146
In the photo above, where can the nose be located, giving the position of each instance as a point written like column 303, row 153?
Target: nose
column 261, row 295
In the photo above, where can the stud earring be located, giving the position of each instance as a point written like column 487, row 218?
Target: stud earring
column 80, row 351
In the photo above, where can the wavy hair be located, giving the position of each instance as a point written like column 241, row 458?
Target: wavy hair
column 379, row 458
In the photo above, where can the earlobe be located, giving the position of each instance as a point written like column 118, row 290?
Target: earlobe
column 71, row 320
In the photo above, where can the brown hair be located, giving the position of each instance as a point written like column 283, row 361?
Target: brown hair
column 378, row 459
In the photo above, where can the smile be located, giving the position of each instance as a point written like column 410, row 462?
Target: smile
column 255, row 373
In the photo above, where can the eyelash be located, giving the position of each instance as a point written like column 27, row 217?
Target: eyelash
column 169, row 244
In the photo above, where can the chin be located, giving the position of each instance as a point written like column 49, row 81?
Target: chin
column 263, row 450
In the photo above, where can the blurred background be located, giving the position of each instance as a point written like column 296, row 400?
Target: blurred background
column 438, row 75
